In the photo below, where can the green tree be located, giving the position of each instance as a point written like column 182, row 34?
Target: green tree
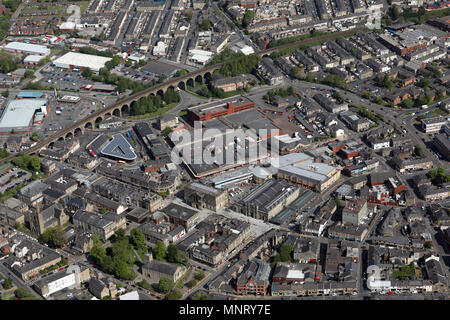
column 439, row 176
column 297, row 72
column 386, row 82
column 98, row 253
column 55, row 236
column 24, row 294
column 5, row 296
column 206, row 24
column 87, row 72
column 137, row 238
column 424, row 83
column 8, row 284
column 167, row 131
column 180, row 73
column 407, row 103
column 35, row 163
column 165, row 285
column 249, row 15
column 122, row 270
column 395, row 12
column 28, row 74
column 338, row 96
column 7, row 62
column 3, row 153
column 33, row 86
column 144, row 284
column 285, row 252
column 159, row 251
column 418, row 151
column 142, row 63
column 366, row 94
column 200, row 296
column 174, row 295
column 5, row 93
column 199, row 275
column 122, row 85
column 191, row 283
column 175, row 255
column 96, row 239
column 338, row 202
column 120, row 234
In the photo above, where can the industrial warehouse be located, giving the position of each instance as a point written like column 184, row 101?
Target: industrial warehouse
column 73, row 60
column 20, row 115
column 27, row 48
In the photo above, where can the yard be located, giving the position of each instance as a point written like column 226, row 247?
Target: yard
column 158, row 112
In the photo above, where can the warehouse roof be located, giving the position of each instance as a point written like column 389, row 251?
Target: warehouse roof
column 18, row 114
column 82, row 60
column 27, row 47
column 33, row 58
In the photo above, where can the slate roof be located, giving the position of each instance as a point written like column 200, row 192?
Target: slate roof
column 120, row 148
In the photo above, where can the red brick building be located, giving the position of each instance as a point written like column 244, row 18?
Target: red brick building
column 216, row 109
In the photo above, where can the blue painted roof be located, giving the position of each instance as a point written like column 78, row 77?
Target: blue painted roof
column 28, row 94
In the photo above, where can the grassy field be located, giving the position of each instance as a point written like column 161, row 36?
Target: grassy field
column 158, row 112
column 62, row 10
column 83, row 5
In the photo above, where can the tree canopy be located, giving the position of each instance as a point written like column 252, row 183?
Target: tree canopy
column 26, row 161
column 249, row 15
column 137, row 238
column 200, row 296
column 153, row 103
column 439, row 176
column 87, row 72
column 174, row 295
column 175, row 255
column 117, row 259
column 206, row 24
column 24, row 294
column 55, row 236
column 166, row 131
column 418, row 151
column 165, row 285
column 159, row 251
column 7, row 62
column 7, row 284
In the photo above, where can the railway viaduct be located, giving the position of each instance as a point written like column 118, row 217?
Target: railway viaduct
column 120, row 107
column 124, row 105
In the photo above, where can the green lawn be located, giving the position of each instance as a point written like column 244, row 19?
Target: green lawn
column 158, row 112
column 61, row 9
column 83, row 5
